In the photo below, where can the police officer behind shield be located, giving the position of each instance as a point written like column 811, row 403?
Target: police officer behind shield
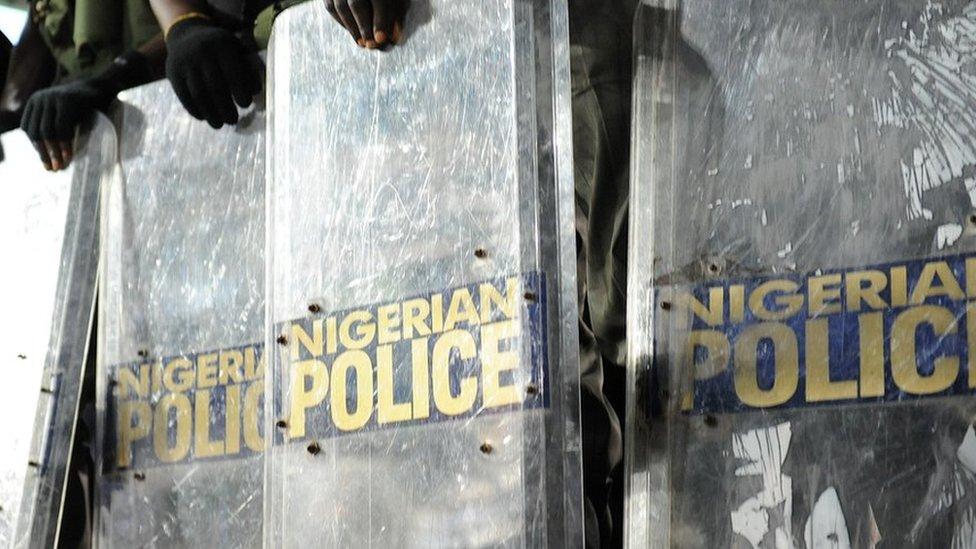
column 600, row 58
column 212, row 63
column 73, row 57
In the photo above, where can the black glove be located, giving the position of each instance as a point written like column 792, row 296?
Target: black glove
column 210, row 70
column 51, row 115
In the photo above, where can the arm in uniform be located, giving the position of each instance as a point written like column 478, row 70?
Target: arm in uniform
column 98, row 51
column 212, row 59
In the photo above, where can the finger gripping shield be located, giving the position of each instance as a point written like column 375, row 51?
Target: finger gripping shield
column 50, row 237
column 180, row 378
column 801, row 336
column 422, row 330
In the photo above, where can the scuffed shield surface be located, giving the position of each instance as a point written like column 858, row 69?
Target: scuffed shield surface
column 50, row 242
column 424, row 377
column 801, row 339
column 180, row 373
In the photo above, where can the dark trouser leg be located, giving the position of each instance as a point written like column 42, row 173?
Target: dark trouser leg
column 601, row 121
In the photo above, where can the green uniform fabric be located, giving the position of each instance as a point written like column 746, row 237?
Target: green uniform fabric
column 265, row 20
column 86, row 35
column 600, row 58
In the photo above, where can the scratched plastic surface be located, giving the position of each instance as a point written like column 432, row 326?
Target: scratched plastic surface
column 49, row 223
column 781, row 137
column 183, row 274
column 440, row 163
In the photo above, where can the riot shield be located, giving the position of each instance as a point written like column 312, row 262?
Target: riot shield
column 50, row 240
column 180, row 375
column 803, row 222
column 423, row 381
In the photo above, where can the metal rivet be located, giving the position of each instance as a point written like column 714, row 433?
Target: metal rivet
column 314, row 308
column 281, row 424
column 480, row 253
column 486, row 448
column 139, row 475
column 143, row 353
column 666, row 305
column 314, row 448
column 532, row 389
column 529, row 296
column 713, row 268
column 282, row 340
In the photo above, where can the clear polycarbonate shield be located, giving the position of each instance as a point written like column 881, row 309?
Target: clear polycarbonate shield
column 803, row 254
column 49, row 237
column 423, row 381
column 181, row 316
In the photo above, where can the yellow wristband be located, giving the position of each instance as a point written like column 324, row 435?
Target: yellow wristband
column 184, row 17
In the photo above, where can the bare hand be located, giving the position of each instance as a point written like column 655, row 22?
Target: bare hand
column 372, row 23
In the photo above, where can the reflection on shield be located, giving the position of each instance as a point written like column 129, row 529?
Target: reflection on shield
column 180, row 373
column 802, row 344
column 50, row 242
column 423, row 369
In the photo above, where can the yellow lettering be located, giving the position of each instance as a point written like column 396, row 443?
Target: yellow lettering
column 871, row 347
column 492, row 300
column 790, row 301
column 737, row 303
column 179, row 403
column 184, row 381
column 387, row 410
column 230, row 367
column 232, row 419
column 421, row 378
column 785, row 364
column 858, row 293
column 947, row 284
column 305, row 396
column 253, row 399
column 710, row 314
column 448, row 403
column 312, row 343
column 365, row 330
column 388, row 324
column 716, row 361
column 824, row 294
column 820, row 387
column 415, row 313
column 904, row 361
column 135, row 419
column 128, row 381
column 899, row 286
column 359, row 362
column 461, row 310
column 203, row 446
column 207, row 370
column 495, row 361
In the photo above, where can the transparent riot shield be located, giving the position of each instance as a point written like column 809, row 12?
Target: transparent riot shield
column 50, row 242
column 181, row 384
column 424, row 378
column 803, row 252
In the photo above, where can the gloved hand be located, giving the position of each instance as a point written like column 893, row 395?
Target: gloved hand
column 372, row 23
column 52, row 115
column 211, row 70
